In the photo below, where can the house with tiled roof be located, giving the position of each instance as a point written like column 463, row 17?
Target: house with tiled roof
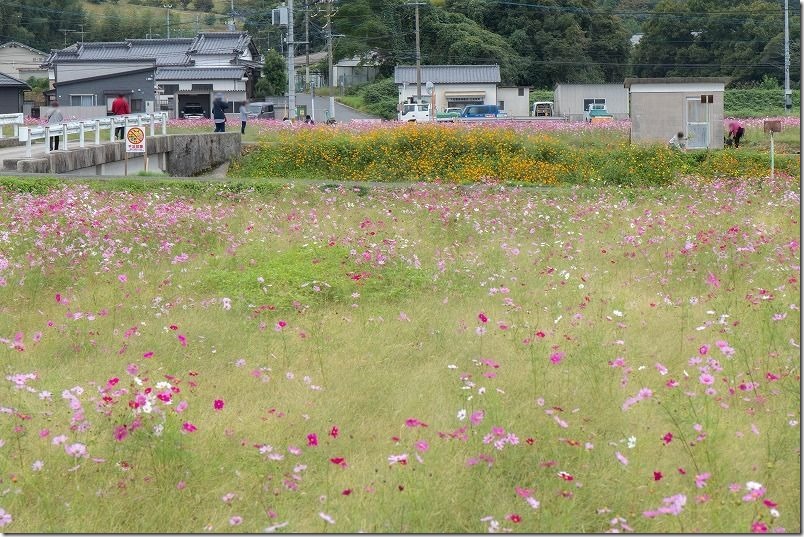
column 18, row 60
column 11, row 94
column 158, row 74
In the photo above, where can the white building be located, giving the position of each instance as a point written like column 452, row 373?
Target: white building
column 514, row 100
column 454, row 86
column 573, row 100
column 21, row 61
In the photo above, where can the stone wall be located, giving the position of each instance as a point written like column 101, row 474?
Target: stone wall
column 192, row 154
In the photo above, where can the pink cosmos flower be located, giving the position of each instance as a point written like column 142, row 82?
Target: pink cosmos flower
column 5, row 518
column 422, row 446
column 235, row 520
column 120, row 433
column 312, row 439
column 706, row 379
column 182, row 339
column 280, row 325
column 181, row 407
column 667, row 438
column 482, row 317
column 712, row 280
column 334, row 431
column 620, row 457
column 132, row 369
column 700, row 479
column 413, row 422
column 123, row 278
column 76, row 450
column 217, row 404
column 149, row 354
column 189, row 427
column 477, row 417
column 703, row 350
column 556, row 357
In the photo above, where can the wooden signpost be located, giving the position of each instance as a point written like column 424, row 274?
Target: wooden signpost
column 771, row 126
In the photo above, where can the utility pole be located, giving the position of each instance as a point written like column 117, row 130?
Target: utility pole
column 307, row 45
column 788, row 94
column 231, row 24
column 197, row 27
column 168, row 7
column 291, row 66
column 418, row 54
column 82, row 32
column 331, row 70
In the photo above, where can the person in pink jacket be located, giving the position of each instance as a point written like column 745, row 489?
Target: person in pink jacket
column 736, row 131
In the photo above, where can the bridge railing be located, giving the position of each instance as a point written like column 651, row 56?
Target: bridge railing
column 16, row 120
column 90, row 126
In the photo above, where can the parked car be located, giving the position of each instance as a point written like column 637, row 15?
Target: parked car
column 542, row 109
column 193, row 111
column 597, row 112
column 414, row 112
column 449, row 114
column 480, row 111
column 261, row 110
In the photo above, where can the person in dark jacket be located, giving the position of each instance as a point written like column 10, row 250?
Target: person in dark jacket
column 219, row 114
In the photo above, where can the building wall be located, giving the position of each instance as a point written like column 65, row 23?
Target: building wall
column 77, row 71
column 441, row 90
column 136, row 87
column 568, row 99
column 10, row 100
column 657, row 116
column 13, row 58
column 515, row 105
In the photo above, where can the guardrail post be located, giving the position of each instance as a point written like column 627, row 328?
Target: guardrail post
column 164, row 123
column 97, row 132
column 151, row 122
column 47, row 140
column 16, row 130
column 64, row 130
column 81, row 134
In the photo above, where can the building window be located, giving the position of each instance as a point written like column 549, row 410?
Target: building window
column 82, row 100
column 501, row 105
column 588, row 102
column 521, row 92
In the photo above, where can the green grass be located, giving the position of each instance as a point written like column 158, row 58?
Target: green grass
column 595, row 273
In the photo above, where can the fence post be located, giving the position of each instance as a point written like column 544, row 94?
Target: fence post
column 164, row 123
column 151, row 121
column 64, row 130
column 81, row 134
column 97, row 132
column 2, row 127
column 47, row 140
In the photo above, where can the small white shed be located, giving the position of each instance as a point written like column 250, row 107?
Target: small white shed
column 573, row 100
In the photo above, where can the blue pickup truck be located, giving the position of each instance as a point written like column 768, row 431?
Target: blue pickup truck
column 481, row 110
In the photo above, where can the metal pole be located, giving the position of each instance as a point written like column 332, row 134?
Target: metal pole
column 291, row 66
column 788, row 94
column 331, row 70
column 168, row 7
column 306, row 46
column 418, row 60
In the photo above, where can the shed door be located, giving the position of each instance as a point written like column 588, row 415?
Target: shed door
column 697, row 123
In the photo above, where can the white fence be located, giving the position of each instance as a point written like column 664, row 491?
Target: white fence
column 96, row 126
column 16, row 120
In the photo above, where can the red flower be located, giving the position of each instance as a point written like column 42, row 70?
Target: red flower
column 515, row 518
column 346, row 492
column 770, row 503
column 312, row 439
column 182, row 340
column 340, row 461
column 174, row 327
column 482, row 317
column 565, row 476
column 667, row 438
column 217, row 404
column 682, row 471
column 334, row 432
column 148, row 354
column 657, row 476
column 529, row 441
column 540, row 334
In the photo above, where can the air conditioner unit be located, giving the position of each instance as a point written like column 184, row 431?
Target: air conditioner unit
column 279, row 16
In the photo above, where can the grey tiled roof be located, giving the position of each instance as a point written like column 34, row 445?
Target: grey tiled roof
column 176, row 51
column 11, row 82
column 199, row 73
column 449, row 74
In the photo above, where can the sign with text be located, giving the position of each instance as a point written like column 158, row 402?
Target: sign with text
column 135, row 140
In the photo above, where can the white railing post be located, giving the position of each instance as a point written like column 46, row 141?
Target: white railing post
column 151, row 122
column 16, row 130
column 2, row 128
column 164, row 123
column 97, row 132
column 47, row 140
column 64, row 130
column 81, row 134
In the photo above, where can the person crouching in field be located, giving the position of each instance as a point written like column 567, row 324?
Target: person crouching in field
column 678, row 142
column 736, row 131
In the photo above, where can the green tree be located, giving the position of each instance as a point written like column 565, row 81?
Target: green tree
column 274, row 79
column 203, row 5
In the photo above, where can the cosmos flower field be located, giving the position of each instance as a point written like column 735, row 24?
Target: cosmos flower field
column 414, row 359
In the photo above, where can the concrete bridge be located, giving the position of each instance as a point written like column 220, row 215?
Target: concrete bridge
column 181, row 155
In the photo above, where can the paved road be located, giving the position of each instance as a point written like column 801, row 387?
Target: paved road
column 342, row 113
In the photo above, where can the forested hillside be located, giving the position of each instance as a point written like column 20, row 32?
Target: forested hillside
column 536, row 42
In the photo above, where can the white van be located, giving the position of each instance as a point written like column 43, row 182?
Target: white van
column 415, row 112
